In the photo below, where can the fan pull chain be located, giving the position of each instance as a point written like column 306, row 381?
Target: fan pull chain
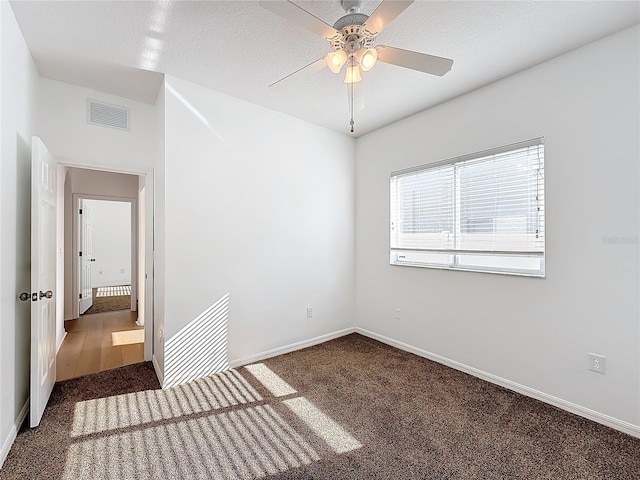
column 351, row 107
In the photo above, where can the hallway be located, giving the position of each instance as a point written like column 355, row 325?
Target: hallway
column 99, row 342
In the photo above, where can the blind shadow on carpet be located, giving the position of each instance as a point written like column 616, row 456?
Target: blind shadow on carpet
column 350, row 408
column 110, row 299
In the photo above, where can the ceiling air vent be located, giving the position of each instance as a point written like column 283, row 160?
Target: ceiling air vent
column 107, row 115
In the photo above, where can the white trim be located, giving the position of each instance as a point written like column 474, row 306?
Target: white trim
column 150, row 206
column 61, row 341
column 13, row 433
column 257, row 357
column 75, row 243
column 290, row 348
column 74, row 163
column 159, row 371
column 615, row 423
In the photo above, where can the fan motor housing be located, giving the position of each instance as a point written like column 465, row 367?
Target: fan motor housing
column 350, row 19
column 353, row 35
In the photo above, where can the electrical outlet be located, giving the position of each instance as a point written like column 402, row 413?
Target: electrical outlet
column 597, row 363
column 396, row 314
column 309, row 312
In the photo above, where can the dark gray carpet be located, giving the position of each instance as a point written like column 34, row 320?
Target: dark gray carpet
column 351, row 408
column 108, row 304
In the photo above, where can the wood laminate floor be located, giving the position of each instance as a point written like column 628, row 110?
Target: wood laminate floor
column 99, row 342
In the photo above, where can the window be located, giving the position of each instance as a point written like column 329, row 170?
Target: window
column 481, row 212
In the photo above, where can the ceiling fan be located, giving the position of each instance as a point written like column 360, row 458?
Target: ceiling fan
column 353, row 41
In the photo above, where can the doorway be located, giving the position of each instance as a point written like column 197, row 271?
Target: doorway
column 105, row 272
column 106, row 260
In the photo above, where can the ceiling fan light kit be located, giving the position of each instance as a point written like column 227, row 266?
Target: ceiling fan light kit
column 335, row 60
column 353, row 74
column 367, row 58
column 352, row 39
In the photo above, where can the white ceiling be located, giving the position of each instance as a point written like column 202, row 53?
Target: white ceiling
column 239, row 48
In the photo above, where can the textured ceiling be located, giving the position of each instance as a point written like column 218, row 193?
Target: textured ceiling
column 239, row 48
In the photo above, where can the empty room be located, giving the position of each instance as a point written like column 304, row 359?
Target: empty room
column 348, row 239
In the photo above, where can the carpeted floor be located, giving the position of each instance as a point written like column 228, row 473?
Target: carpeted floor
column 109, row 302
column 351, row 408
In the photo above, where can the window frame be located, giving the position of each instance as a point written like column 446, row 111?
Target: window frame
column 458, row 254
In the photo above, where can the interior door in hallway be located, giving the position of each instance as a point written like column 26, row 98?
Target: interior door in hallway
column 43, row 278
column 86, row 256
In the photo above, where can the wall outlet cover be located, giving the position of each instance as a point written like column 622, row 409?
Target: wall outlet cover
column 597, row 363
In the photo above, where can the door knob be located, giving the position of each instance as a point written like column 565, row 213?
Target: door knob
column 47, row 294
column 25, row 296
column 93, row 259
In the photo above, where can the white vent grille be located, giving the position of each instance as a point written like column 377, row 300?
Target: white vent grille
column 107, row 115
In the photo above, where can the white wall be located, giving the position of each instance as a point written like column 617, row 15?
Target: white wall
column 18, row 89
column 62, row 113
column 111, row 225
column 534, row 332
column 62, row 119
column 158, row 227
column 259, row 208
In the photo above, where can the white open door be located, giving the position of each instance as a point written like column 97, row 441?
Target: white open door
column 43, row 278
column 85, row 256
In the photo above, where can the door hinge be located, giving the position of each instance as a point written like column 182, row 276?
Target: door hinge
column 80, row 211
column 80, row 295
column 80, row 254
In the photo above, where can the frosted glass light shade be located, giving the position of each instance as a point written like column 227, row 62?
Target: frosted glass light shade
column 368, row 59
column 353, row 74
column 335, row 60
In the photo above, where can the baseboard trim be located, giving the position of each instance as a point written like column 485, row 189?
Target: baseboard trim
column 61, row 341
column 290, row 348
column 159, row 371
column 13, row 433
column 612, row 422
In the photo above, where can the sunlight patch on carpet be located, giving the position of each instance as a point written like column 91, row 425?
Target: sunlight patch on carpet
column 224, row 390
column 113, row 291
column 270, row 380
column 322, row 425
column 187, row 431
column 227, row 445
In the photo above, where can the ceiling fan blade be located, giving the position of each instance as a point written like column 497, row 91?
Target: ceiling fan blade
column 414, row 60
column 386, row 13
column 299, row 16
column 313, row 67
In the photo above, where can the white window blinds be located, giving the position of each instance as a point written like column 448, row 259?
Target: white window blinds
column 478, row 212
